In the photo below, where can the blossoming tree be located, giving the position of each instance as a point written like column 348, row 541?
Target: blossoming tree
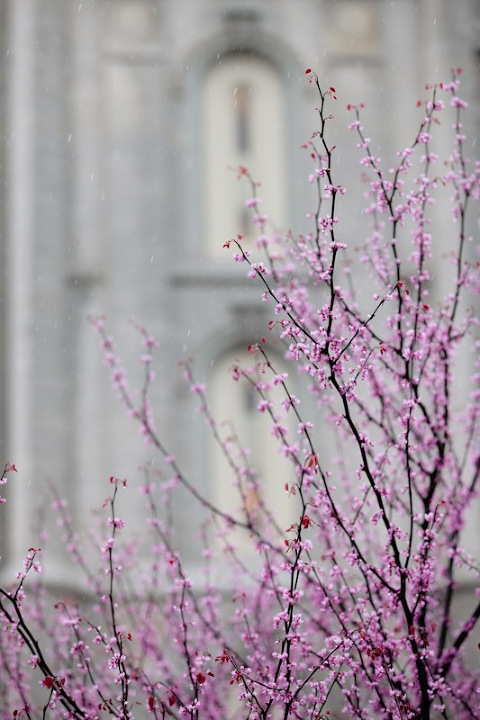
column 357, row 609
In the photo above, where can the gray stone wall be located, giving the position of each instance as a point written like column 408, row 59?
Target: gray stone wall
column 101, row 202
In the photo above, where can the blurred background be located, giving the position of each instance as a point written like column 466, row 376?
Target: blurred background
column 121, row 124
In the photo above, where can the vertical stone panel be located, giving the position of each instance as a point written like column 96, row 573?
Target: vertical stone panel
column 18, row 257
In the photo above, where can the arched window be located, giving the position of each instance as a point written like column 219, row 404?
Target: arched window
column 260, row 489
column 243, row 124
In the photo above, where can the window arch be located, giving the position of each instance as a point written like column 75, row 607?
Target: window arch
column 243, row 124
column 242, row 427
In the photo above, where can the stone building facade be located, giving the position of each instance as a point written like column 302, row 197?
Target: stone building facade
column 117, row 193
